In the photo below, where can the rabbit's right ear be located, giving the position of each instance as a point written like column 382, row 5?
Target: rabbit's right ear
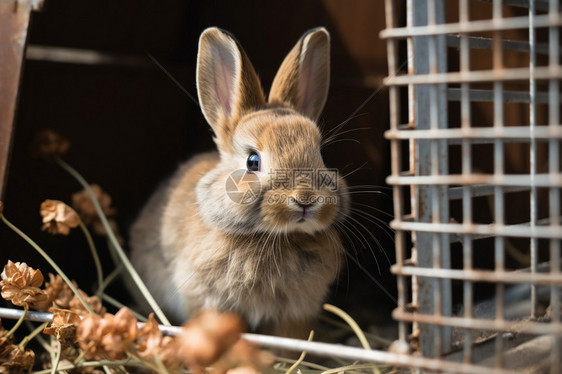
column 303, row 79
column 227, row 84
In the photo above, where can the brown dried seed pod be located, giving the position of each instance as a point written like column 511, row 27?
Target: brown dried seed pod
column 48, row 144
column 83, row 204
column 20, row 284
column 58, row 218
column 107, row 337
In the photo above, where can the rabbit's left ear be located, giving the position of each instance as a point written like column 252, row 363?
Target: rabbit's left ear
column 227, row 84
column 303, row 79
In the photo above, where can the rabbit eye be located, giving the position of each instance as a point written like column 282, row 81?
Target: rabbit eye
column 253, row 162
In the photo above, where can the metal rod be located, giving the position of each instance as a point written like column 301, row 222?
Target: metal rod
column 473, row 133
column 456, row 193
column 541, row 180
column 466, row 191
column 454, row 94
column 540, row 4
column 412, row 157
column 499, row 24
column 83, row 56
column 296, row 345
column 533, row 198
column 528, row 327
column 515, row 231
column 484, row 276
column 483, row 76
column 554, row 193
column 486, row 43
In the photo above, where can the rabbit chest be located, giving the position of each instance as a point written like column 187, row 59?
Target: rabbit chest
column 263, row 277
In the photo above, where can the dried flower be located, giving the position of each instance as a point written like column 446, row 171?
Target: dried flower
column 243, row 370
column 207, row 337
column 246, row 355
column 5, row 343
column 14, row 359
column 89, row 336
column 21, row 275
column 94, row 302
column 151, row 342
column 20, row 284
column 107, row 337
column 58, row 218
column 19, row 360
column 99, row 229
column 63, row 326
column 82, row 202
column 150, row 338
column 59, row 292
column 63, row 297
column 48, row 144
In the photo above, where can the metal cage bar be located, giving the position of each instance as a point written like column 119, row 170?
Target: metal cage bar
column 433, row 129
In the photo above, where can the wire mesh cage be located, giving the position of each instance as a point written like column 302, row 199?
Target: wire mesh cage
column 476, row 179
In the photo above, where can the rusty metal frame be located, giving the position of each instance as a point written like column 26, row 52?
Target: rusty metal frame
column 424, row 295
column 14, row 21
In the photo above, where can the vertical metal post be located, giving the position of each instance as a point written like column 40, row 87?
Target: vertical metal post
column 554, row 169
column 412, row 151
column 431, row 159
column 466, row 151
column 396, row 153
column 533, row 215
column 14, row 20
column 499, row 242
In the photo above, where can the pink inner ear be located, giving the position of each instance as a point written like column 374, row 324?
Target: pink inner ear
column 224, row 75
column 308, row 78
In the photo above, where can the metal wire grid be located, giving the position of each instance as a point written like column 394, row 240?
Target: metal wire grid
column 424, row 272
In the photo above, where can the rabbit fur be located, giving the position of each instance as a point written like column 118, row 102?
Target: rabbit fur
column 270, row 260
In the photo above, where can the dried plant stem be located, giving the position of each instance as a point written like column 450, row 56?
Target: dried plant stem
column 351, row 322
column 35, row 331
column 379, row 339
column 110, row 279
column 116, row 303
column 86, row 364
column 50, row 261
column 134, row 354
column 113, row 239
column 99, row 271
column 161, row 367
column 57, row 358
column 34, row 334
column 302, row 356
column 354, row 326
column 303, row 363
column 18, row 323
column 343, row 369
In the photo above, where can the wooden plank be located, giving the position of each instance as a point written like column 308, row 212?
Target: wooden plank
column 14, row 21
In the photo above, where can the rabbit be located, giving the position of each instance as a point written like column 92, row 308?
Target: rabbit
column 266, row 250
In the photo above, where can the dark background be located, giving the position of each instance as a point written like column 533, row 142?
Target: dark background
column 130, row 126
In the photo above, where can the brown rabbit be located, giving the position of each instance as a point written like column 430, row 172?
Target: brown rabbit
column 249, row 228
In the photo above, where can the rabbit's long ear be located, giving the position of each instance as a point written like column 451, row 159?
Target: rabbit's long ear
column 304, row 76
column 227, row 84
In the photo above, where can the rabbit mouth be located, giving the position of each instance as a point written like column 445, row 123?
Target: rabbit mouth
column 305, row 213
column 297, row 211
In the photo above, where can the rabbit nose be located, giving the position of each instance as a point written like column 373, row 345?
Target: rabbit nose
column 305, row 205
column 304, row 201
